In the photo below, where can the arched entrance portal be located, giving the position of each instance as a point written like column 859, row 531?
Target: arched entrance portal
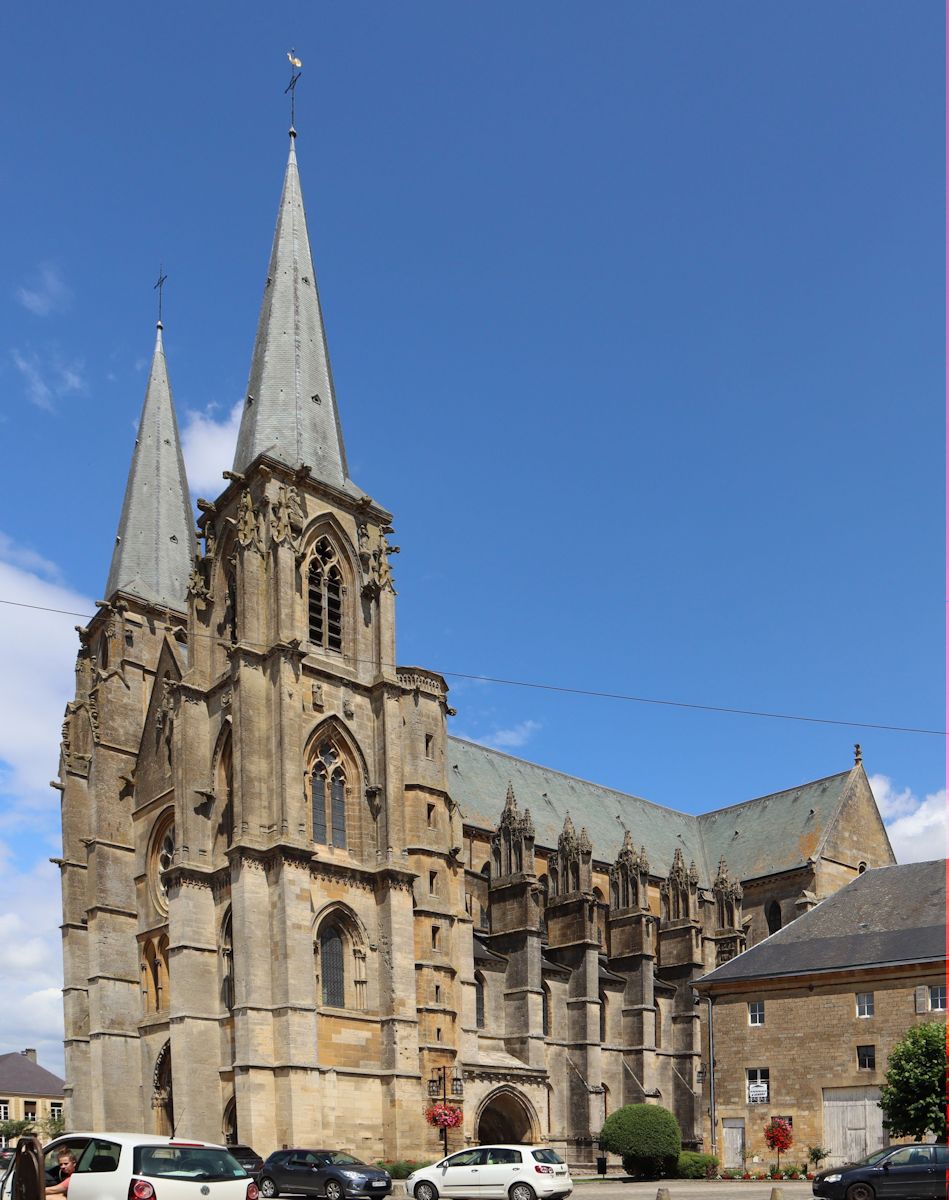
column 162, row 1101
column 507, row 1117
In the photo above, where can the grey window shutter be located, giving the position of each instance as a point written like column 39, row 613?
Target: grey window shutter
column 922, row 999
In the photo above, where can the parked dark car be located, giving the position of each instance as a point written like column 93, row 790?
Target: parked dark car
column 912, row 1172
column 249, row 1159
column 329, row 1173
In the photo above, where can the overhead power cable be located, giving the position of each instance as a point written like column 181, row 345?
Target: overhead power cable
column 600, row 695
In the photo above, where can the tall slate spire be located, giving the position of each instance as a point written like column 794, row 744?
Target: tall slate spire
column 153, row 550
column 290, row 408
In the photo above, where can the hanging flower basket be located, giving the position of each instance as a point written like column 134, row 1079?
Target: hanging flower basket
column 444, row 1116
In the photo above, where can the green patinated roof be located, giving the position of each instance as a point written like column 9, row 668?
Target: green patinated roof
column 772, row 833
column 478, row 779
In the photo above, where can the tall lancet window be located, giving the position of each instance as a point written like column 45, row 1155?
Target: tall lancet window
column 328, row 797
column 325, row 597
column 331, row 967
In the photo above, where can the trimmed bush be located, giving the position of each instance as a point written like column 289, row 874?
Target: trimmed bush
column 646, row 1136
column 692, row 1165
column 402, row 1168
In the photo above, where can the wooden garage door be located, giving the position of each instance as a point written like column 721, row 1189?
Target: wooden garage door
column 853, row 1123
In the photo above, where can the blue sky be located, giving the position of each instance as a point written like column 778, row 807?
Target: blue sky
column 636, row 316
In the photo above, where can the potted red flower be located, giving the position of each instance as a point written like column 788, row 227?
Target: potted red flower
column 444, row 1116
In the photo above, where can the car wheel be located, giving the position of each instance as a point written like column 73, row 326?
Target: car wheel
column 333, row 1190
column 268, row 1189
column 860, row 1191
column 426, row 1191
column 522, row 1191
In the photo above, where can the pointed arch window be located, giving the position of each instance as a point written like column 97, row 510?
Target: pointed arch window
column 328, row 796
column 331, row 967
column 227, row 962
column 325, row 597
column 546, row 1006
column 479, row 1001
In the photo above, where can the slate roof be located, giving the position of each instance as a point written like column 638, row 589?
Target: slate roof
column 884, row 917
column 153, row 548
column 290, row 409
column 20, row 1076
column 778, row 832
column 753, row 836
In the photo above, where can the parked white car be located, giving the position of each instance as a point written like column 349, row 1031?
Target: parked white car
column 514, row 1172
column 138, row 1166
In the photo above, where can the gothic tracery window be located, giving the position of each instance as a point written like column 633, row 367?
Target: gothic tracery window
column 162, row 858
column 328, row 796
column 325, row 597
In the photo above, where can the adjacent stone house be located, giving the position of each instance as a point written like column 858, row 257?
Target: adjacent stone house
column 803, row 1022
column 28, row 1092
column 294, row 907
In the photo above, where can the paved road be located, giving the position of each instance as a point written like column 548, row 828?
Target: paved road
column 682, row 1189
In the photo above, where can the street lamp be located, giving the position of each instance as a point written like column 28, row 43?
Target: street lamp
column 438, row 1087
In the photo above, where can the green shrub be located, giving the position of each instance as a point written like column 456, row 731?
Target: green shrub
column 646, row 1136
column 402, row 1168
column 692, row 1165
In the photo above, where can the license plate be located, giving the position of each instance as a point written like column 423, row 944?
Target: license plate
column 378, row 1183
column 562, row 1171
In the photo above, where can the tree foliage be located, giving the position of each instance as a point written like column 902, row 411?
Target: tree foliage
column 913, row 1095
column 11, row 1130
column 647, row 1136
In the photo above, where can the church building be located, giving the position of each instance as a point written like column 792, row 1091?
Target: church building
column 295, row 909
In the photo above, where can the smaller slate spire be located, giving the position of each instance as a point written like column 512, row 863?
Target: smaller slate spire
column 152, row 558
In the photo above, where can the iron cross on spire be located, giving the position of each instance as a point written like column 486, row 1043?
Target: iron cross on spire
column 159, row 286
column 295, row 73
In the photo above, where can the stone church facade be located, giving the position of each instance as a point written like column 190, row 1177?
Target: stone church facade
column 293, row 906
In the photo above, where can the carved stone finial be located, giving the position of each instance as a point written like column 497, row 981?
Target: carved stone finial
column 693, row 873
column 857, row 754
column 584, row 843
column 509, row 801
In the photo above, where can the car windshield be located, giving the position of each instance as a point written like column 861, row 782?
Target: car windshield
column 339, row 1159
column 547, row 1156
column 186, row 1162
column 874, row 1157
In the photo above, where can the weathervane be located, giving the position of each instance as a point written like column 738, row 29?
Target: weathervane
column 159, row 285
column 295, row 73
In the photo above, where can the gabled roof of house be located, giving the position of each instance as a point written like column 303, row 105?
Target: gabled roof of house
column 777, row 832
column 20, row 1076
column 884, row 917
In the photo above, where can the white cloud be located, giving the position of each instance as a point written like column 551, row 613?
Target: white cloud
column 37, row 650
column 50, row 380
column 32, row 959
column 504, row 739
column 208, row 447
column 47, row 292
column 917, row 828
